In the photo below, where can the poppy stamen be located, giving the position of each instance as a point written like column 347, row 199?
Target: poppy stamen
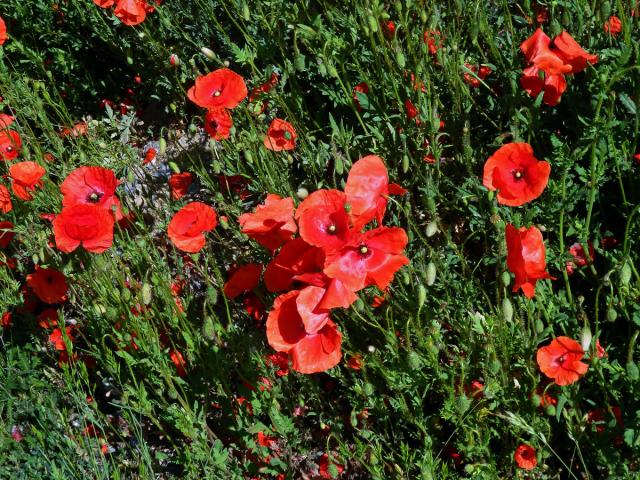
column 518, row 174
column 363, row 249
column 217, row 93
column 332, row 228
column 94, row 197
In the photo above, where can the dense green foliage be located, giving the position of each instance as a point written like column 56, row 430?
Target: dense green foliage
column 449, row 317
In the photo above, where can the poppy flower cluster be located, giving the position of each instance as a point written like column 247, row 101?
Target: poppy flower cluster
column 90, row 209
column 129, row 12
column 218, row 91
column 548, row 63
column 333, row 257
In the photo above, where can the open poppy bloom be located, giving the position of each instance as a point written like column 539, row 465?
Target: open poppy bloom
column 370, row 258
column 131, row 12
column 537, row 50
column 179, row 183
column 271, row 224
column 297, row 327
column 3, row 31
column 552, row 85
column 242, row 279
column 218, row 123
column 526, row 258
column 84, row 224
column 572, row 53
column 91, row 186
column 49, row 285
column 368, row 189
column 26, row 177
column 5, row 200
column 613, row 26
column 57, row 339
column 560, row 361
column 525, row 457
column 323, row 219
column 186, row 228
column 518, row 176
column 280, row 136
column 579, row 257
column 10, row 145
column 6, row 234
column 221, row 88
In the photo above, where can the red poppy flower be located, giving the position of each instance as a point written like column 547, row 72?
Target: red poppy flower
column 602, row 416
column 78, row 130
column 91, row 186
column 10, row 145
column 361, row 88
column 104, row 3
column 537, row 50
column 526, row 258
column 572, row 53
column 3, row 31
column 6, row 320
column 525, row 457
column 323, row 219
column 552, row 85
column 433, row 39
column 84, row 224
column 482, row 72
column 518, row 176
column 179, row 183
column 600, row 351
column 178, row 360
column 412, row 111
column 389, row 29
column 296, row 258
column 57, row 338
column 371, row 258
column 579, row 257
column 218, row 123
column 254, row 307
column 323, row 467
column 149, row 156
column 271, row 224
column 280, row 136
column 367, row 189
column 186, row 228
column 48, row 284
column 26, row 177
column 48, row 318
column 242, row 279
column 5, row 120
column 297, row 327
column 6, row 234
column 355, row 362
column 560, row 360
column 131, row 12
column 221, row 88
column 613, row 26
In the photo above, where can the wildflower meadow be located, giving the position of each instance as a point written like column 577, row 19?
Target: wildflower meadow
column 359, row 239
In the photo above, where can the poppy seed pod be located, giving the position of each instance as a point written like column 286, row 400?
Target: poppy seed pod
column 507, row 310
column 431, row 274
column 207, row 52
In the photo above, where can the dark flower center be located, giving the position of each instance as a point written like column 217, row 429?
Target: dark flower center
column 9, row 149
column 217, row 93
column 287, row 135
column 518, row 174
column 94, row 197
column 332, row 228
column 562, row 359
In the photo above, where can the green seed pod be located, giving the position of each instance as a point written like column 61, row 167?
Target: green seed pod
column 605, row 10
column 331, row 70
column 405, row 163
column 368, row 389
column 99, row 309
column 406, row 279
column 373, row 23
column 566, row 18
column 208, row 329
column 422, row 295
column 632, row 371
column 556, row 28
column 539, row 326
column 298, row 62
column 212, row 295
column 400, row 60
column 550, row 410
column 146, row 293
column 473, row 32
column 414, row 361
column 338, row 165
column 432, row 229
column 495, row 366
column 174, row 167
column 507, row 310
column 612, row 315
column 625, row 274
column 246, row 13
column 217, row 167
column 431, row 274
column 535, row 400
column 162, row 146
column 431, row 204
column 398, row 6
column 506, row 278
column 423, row 16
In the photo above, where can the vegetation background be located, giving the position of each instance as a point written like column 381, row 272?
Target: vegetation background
column 449, row 319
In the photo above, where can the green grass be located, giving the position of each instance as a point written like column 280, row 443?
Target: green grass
column 419, row 350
